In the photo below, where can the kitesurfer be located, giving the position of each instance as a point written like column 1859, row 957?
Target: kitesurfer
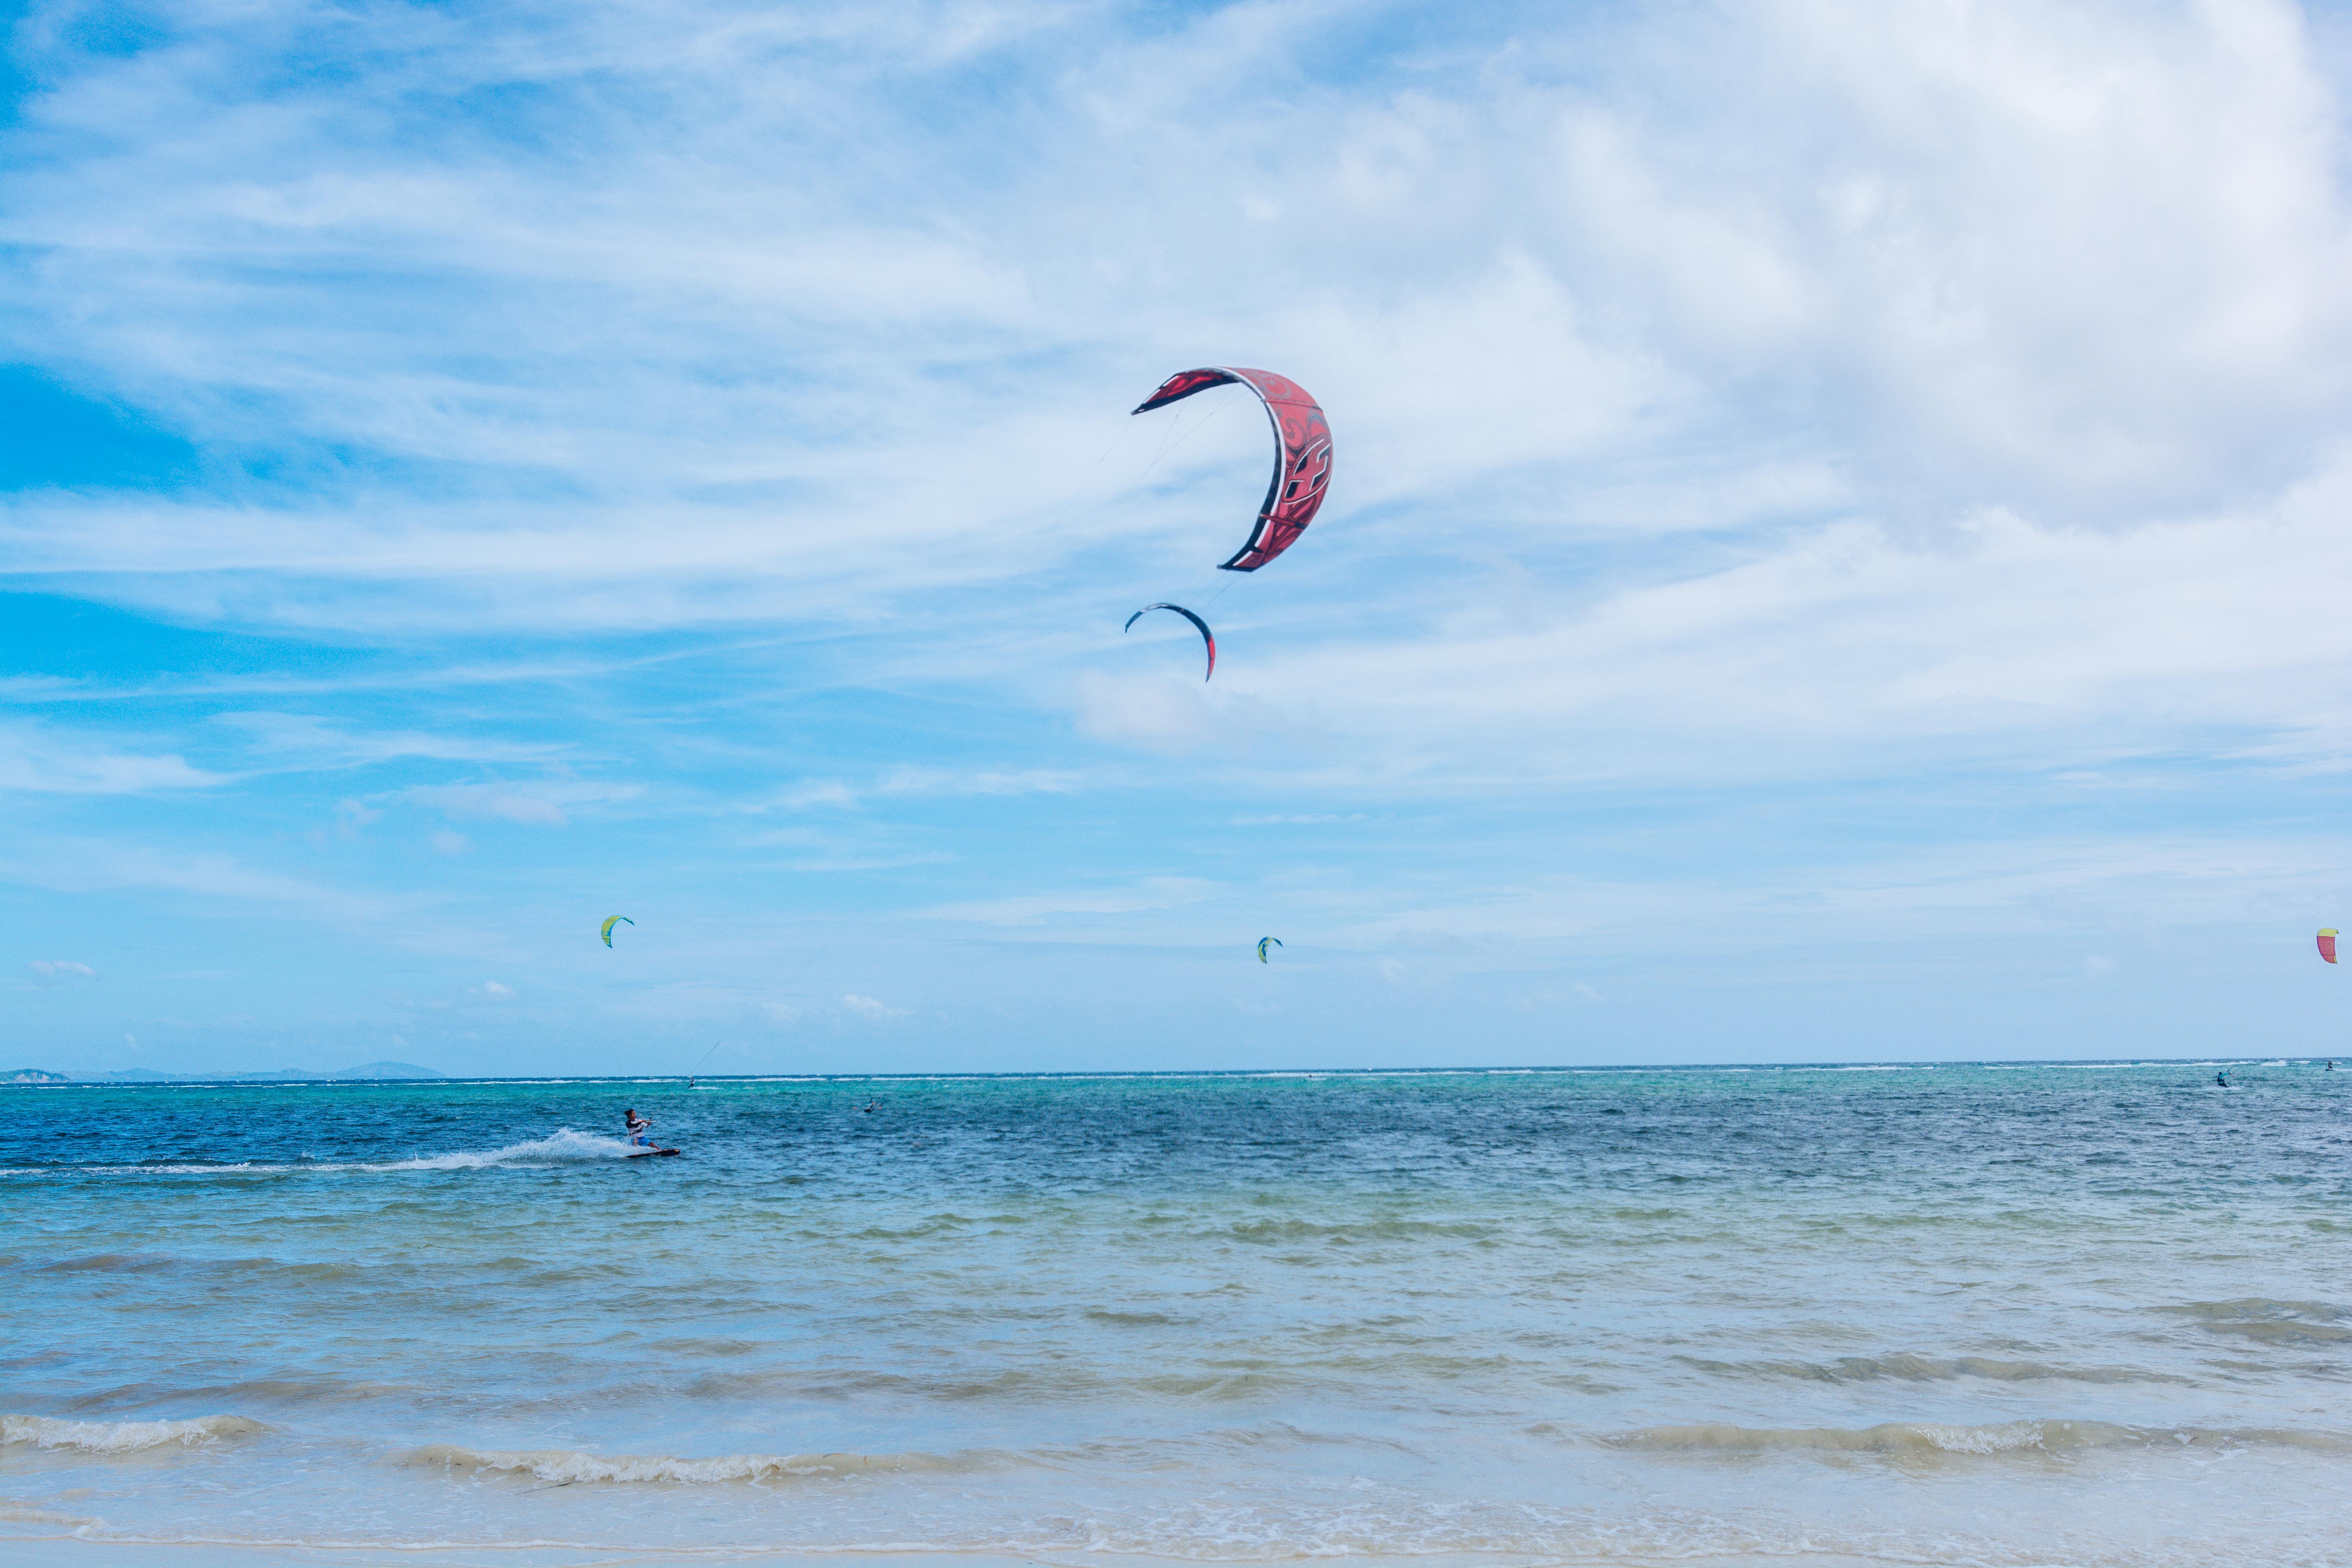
column 641, row 1132
column 2222, row 1078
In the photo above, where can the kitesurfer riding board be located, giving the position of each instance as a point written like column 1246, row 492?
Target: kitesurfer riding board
column 641, row 1136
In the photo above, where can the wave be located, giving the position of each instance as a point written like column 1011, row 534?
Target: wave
column 568, row 1465
column 111, row 1263
column 2268, row 1320
column 1926, row 1440
column 1909, row 1368
column 1276, row 1230
column 123, row 1436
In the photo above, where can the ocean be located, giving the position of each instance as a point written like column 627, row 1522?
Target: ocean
column 2081, row 1314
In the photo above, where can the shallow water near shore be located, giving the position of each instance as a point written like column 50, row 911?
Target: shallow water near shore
column 1997, row 1314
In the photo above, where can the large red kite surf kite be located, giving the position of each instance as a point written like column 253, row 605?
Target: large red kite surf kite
column 1302, row 455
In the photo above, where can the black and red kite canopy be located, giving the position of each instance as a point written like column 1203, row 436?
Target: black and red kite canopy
column 1200, row 625
column 1302, row 455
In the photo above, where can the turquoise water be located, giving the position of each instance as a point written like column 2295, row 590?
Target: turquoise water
column 1983, row 1315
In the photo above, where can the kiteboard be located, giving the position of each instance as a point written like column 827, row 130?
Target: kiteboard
column 641, row 1153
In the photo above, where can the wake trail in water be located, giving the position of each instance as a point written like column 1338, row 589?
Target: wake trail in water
column 563, row 1147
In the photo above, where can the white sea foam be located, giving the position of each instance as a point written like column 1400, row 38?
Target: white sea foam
column 568, row 1465
column 564, row 1146
column 123, row 1436
column 1926, row 1439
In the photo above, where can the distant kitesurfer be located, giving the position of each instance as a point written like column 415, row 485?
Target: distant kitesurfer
column 2222, row 1078
column 870, row 1104
column 641, row 1132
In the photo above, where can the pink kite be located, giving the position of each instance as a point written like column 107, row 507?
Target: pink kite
column 1302, row 456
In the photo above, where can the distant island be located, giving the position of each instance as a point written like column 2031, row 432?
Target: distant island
column 365, row 1072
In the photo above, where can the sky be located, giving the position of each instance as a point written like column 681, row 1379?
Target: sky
column 1836, row 548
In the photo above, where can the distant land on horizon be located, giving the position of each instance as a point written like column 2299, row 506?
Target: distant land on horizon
column 365, row 1071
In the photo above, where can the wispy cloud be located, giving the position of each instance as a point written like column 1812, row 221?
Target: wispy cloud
column 41, row 761
column 535, row 805
column 71, row 866
column 905, row 781
column 316, row 743
column 1032, row 908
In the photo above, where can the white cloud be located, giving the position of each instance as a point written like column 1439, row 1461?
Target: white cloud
column 1845, row 649
column 58, row 971
column 492, row 988
column 37, row 759
column 445, row 842
column 1032, row 909
column 318, row 742
column 1166, row 715
column 83, row 866
column 540, row 805
column 499, row 802
column 914, row 781
column 868, row 1007
column 904, row 781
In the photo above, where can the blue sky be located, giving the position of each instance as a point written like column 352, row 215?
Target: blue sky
column 1837, row 545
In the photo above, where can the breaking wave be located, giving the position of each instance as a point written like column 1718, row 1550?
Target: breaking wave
column 568, row 1465
column 123, row 1436
column 1926, row 1440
